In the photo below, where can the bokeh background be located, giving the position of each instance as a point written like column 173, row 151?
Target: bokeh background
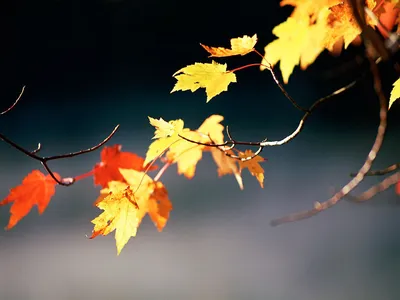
column 89, row 65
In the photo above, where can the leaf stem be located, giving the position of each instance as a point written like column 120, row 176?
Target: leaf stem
column 84, row 175
column 161, row 172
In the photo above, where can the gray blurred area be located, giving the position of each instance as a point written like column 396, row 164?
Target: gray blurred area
column 218, row 243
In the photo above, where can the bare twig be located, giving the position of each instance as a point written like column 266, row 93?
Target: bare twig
column 384, row 171
column 32, row 154
column 270, row 68
column 15, row 102
column 318, row 206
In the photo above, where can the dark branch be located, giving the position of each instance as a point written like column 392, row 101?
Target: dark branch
column 32, row 154
column 270, row 68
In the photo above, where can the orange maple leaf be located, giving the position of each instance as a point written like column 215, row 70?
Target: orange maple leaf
column 239, row 46
column 36, row 189
column 398, row 188
column 124, row 205
column 253, row 165
column 111, row 160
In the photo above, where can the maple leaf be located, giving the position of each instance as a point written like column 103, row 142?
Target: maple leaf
column 126, row 203
column 395, row 93
column 253, row 165
column 212, row 129
column 308, row 8
column 166, row 134
column 213, row 77
column 298, row 42
column 36, row 189
column 187, row 154
column 398, row 188
column 239, row 46
column 180, row 151
column 111, row 160
column 342, row 24
column 165, row 129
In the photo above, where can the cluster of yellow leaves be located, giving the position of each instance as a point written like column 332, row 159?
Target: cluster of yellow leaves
column 169, row 140
column 214, row 77
column 313, row 26
column 129, row 193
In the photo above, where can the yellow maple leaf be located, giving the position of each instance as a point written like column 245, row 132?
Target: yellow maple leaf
column 187, row 154
column 239, row 46
column 165, row 135
column 253, row 165
column 125, row 205
column 180, row 151
column 213, row 77
column 212, row 128
column 165, row 129
column 343, row 25
column 308, row 8
column 298, row 42
column 395, row 93
column 120, row 214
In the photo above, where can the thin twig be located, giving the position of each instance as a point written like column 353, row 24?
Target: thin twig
column 318, row 206
column 15, row 102
column 270, row 68
column 384, row 171
column 32, row 154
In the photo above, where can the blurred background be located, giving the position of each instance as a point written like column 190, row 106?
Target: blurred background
column 89, row 65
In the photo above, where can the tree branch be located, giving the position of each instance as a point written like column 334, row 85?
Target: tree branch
column 380, row 187
column 384, row 171
column 231, row 143
column 32, row 154
column 318, row 206
column 270, row 68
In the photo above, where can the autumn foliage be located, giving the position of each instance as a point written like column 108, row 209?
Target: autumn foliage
column 131, row 185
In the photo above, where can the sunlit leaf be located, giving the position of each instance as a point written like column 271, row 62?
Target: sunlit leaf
column 36, row 189
column 126, row 203
column 111, row 160
column 213, row 77
column 239, row 46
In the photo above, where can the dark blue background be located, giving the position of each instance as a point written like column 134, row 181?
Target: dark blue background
column 89, row 65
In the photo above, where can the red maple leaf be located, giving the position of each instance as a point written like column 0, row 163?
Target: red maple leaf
column 111, row 160
column 398, row 188
column 36, row 189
